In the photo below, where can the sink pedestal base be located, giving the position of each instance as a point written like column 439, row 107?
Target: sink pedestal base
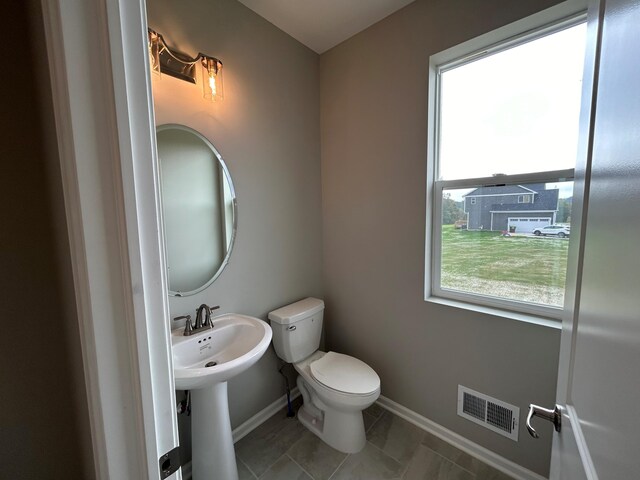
column 212, row 449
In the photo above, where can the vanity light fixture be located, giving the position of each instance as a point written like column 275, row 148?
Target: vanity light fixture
column 163, row 59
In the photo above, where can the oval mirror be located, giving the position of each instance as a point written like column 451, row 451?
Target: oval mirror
column 199, row 207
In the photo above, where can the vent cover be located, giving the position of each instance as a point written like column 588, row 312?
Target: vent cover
column 489, row 412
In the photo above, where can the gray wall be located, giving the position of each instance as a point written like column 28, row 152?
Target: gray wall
column 267, row 130
column 374, row 126
column 44, row 421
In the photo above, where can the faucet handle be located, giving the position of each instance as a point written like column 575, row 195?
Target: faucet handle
column 207, row 320
column 188, row 327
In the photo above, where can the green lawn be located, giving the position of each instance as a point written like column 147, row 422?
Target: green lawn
column 523, row 266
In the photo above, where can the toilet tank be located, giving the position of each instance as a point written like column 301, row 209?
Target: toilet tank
column 297, row 329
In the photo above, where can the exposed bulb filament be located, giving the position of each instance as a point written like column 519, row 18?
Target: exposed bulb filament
column 212, row 84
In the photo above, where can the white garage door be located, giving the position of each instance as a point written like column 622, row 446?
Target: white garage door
column 528, row 225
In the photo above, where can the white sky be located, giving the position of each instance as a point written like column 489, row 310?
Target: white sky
column 514, row 112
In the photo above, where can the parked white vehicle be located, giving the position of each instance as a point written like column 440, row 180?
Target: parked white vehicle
column 556, row 230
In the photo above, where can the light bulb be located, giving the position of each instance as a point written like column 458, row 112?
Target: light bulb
column 212, row 84
column 212, row 88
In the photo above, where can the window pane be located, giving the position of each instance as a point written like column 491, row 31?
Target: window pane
column 500, row 248
column 515, row 111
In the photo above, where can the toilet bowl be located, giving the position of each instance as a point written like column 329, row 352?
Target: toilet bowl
column 335, row 388
column 335, row 415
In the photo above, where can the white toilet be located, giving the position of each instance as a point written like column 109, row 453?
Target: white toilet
column 335, row 387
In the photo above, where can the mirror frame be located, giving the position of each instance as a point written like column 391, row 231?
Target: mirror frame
column 225, row 169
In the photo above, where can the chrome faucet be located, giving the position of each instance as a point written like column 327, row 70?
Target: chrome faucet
column 207, row 317
column 189, row 328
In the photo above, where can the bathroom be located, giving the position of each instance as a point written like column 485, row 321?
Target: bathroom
column 303, row 229
column 328, row 164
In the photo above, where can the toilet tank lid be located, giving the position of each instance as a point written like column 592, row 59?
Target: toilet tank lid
column 295, row 312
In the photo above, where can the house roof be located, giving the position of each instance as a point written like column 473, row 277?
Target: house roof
column 518, row 207
column 501, row 190
column 544, row 200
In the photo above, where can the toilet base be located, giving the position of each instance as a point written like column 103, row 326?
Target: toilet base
column 343, row 431
column 313, row 424
column 334, row 416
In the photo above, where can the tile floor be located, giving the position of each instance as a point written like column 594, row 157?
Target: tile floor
column 282, row 449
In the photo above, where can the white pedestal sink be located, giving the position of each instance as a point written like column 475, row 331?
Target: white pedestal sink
column 233, row 344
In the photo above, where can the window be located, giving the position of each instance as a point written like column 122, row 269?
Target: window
column 505, row 135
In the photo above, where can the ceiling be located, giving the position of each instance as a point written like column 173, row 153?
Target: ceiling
column 322, row 24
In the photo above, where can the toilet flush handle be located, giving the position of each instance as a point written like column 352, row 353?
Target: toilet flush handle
column 291, row 327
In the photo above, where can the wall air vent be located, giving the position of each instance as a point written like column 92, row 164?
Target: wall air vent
column 489, row 412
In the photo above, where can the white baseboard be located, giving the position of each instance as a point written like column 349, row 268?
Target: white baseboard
column 254, row 422
column 485, row 455
column 262, row 416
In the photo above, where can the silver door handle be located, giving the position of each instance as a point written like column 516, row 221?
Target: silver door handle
column 554, row 416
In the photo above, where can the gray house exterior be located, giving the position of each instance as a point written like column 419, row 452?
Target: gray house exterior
column 521, row 207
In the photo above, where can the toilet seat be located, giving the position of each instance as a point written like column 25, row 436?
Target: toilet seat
column 345, row 374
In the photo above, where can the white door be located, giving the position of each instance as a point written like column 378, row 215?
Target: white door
column 106, row 138
column 598, row 385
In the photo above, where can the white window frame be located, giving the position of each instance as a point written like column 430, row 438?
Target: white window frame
column 552, row 20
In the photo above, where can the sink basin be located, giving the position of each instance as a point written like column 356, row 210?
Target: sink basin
column 233, row 344
column 203, row 363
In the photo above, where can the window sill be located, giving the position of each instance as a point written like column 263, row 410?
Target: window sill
column 521, row 317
